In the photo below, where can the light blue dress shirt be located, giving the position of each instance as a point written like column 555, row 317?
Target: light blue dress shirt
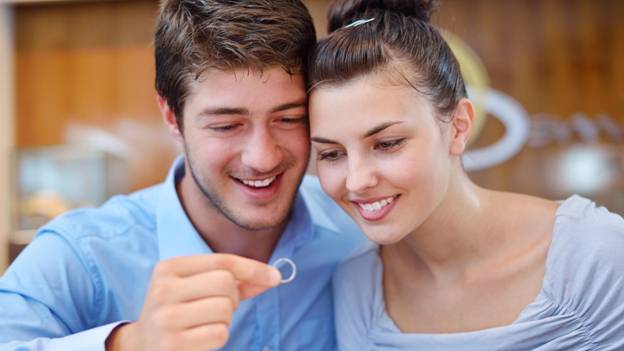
column 579, row 308
column 89, row 270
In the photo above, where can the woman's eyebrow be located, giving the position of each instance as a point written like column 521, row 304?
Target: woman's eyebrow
column 369, row 133
column 380, row 127
column 323, row 140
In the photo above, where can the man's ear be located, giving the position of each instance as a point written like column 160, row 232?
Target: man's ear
column 169, row 118
column 463, row 119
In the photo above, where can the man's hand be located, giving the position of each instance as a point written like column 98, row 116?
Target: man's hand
column 190, row 303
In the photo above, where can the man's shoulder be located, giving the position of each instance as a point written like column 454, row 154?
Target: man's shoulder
column 323, row 210
column 333, row 226
column 115, row 217
column 311, row 188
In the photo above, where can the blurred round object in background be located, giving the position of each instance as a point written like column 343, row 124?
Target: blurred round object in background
column 586, row 169
column 517, row 126
column 475, row 76
column 488, row 102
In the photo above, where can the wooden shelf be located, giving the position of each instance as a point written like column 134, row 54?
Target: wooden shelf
column 20, row 2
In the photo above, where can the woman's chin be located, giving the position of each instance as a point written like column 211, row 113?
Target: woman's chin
column 383, row 238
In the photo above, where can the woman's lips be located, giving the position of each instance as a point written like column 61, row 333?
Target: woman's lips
column 377, row 209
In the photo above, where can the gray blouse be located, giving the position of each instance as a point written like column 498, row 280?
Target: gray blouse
column 580, row 305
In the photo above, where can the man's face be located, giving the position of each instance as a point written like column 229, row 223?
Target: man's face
column 246, row 139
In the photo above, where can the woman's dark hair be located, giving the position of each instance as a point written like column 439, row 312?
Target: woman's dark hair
column 385, row 35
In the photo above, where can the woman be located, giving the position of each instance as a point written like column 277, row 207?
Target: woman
column 454, row 266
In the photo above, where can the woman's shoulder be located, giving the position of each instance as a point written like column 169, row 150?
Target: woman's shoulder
column 585, row 265
column 582, row 210
column 588, row 234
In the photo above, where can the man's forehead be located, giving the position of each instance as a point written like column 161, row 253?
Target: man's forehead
column 270, row 90
column 249, row 72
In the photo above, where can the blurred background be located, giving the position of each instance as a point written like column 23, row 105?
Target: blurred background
column 79, row 123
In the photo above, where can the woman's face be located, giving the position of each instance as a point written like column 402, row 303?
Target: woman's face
column 381, row 154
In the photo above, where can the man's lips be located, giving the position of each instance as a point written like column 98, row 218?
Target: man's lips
column 260, row 188
column 258, row 182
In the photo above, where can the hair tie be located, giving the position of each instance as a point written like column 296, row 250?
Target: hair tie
column 359, row 22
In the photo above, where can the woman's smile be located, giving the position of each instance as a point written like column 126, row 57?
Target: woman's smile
column 375, row 209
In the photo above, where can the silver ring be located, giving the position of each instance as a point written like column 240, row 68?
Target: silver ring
column 279, row 262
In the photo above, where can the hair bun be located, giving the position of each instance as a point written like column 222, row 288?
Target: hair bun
column 344, row 12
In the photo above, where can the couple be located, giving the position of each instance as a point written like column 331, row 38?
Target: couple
column 187, row 265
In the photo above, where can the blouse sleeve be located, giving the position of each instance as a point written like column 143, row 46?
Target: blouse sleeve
column 586, row 273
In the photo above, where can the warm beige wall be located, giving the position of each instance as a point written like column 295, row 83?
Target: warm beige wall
column 6, row 127
column 318, row 9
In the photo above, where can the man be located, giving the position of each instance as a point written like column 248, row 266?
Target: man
column 183, row 265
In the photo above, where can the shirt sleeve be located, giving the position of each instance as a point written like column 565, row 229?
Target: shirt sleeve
column 91, row 340
column 49, row 299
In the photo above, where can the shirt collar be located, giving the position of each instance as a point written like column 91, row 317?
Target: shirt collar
column 176, row 234
column 297, row 232
column 178, row 237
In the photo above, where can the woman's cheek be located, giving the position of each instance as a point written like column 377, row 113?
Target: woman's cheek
column 332, row 180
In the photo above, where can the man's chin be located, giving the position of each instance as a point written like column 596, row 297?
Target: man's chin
column 254, row 217
column 256, row 224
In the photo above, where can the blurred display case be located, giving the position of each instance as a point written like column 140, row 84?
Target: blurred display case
column 52, row 180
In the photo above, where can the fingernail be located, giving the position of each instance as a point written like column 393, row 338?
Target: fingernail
column 275, row 276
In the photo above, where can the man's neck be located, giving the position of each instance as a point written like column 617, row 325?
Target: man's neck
column 221, row 234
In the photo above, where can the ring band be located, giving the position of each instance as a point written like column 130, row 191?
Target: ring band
column 279, row 262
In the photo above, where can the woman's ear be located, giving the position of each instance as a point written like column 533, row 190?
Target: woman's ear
column 169, row 118
column 463, row 118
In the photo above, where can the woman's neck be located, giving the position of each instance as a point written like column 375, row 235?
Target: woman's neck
column 460, row 232
column 478, row 249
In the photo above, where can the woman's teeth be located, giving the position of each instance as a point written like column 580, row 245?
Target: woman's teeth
column 377, row 205
column 258, row 183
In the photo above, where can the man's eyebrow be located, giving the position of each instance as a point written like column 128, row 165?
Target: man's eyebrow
column 379, row 128
column 322, row 140
column 289, row 105
column 218, row 111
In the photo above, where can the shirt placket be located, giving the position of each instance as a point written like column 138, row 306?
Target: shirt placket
column 267, row 316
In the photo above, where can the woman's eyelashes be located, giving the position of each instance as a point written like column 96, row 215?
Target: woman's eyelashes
column 384, row 146
column 330, row 155
column 389, row 144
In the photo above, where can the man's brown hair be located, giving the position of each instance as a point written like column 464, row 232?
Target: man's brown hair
column 195, row 35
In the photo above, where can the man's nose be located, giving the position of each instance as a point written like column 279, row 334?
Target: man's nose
column 262, row 152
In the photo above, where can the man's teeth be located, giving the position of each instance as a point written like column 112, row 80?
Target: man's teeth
column 258, row 183
column 377, row 205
